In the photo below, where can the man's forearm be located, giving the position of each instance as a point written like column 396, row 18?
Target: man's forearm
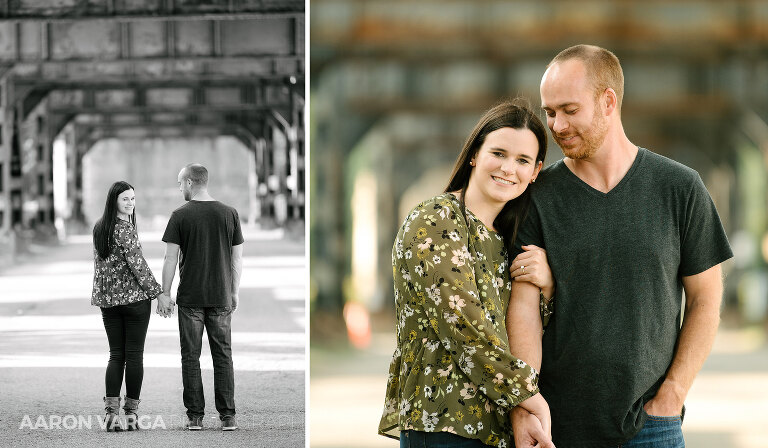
column 523, row 323
column 702, row 315
column 524, row 331
column 237, row 271
column 694, row 344
column 169, row 270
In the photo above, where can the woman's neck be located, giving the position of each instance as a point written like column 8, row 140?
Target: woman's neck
column 124, row 217
column 483, row 209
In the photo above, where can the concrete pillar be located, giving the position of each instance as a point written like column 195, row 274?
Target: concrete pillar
column 5, row 193
column 279, row 177
column 270, row 172
column 14, row 181
column 7, row 236
column 298, row 157
column 293, row 173
column 6, row 130
column 285, row 151
column 262, row 173
column 254, row 203
column 46, row 213
column 78, row 215
column 10, row 158
column 301, row 188
column 65, row 188
column 264, row 167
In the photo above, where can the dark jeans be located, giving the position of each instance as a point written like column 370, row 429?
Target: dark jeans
column 217, row 322
column 126, row 327
column 659, row 432
column 419, row 439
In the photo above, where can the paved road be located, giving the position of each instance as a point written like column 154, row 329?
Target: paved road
column 726, row 408
column 53, row 353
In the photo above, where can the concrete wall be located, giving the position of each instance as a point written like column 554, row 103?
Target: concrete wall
column 151, row 166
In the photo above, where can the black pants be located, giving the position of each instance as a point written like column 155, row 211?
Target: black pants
column 126, row 327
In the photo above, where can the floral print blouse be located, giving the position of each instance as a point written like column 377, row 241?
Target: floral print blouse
column 124, row 276
column 452, row 370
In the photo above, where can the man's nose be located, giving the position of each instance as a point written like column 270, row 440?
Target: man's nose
column 559, row 123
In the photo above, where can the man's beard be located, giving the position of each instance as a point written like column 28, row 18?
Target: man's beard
column 591, row 138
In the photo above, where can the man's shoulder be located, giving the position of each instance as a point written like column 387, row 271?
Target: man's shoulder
column 550, row 178
column 183, row 207
column 225, row 211
column 553, row 168
column 194, row 207
column 668, row 169
column 226, row 207
column 180, row 212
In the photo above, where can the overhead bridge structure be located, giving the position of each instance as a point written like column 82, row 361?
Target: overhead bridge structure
column 84, row 71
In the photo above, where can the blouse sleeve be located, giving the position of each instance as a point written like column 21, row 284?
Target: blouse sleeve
column 546, row 308
column 435, row 255
column 128, row 242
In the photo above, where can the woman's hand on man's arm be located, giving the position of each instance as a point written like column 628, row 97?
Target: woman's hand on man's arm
column 532, row 266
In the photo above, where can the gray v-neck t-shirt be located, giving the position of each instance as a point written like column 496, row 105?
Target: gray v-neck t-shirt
column 618, row 259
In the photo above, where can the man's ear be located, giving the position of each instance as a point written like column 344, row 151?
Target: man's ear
column 610, row 101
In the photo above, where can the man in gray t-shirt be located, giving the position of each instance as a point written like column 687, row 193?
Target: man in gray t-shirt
column 205, row 235
column 626, row 231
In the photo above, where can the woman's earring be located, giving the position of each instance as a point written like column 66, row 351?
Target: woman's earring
column 533, row 180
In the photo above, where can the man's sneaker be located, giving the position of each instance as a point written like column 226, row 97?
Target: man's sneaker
column 229, row 423
column 195, row 423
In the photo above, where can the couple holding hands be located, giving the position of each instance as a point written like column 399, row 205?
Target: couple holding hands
column 204, row 238
column 599, row 250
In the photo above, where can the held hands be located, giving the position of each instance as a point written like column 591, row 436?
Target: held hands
column 532, row 266
column 532, row 423
column 528, row 430
column 538, row 407
column 165, row 305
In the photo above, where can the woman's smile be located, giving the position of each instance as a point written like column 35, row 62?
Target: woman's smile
column 503, row 181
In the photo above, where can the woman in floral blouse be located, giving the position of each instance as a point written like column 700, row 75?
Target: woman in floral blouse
column 123, row 286
column 452, row 380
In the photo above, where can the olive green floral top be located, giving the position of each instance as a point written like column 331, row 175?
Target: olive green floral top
column 452, row 370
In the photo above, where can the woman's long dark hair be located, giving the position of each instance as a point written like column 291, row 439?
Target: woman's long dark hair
column 102, row 231
column 515, row 114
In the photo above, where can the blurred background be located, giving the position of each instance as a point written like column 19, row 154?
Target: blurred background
column 96, row 91
column 395, row 88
